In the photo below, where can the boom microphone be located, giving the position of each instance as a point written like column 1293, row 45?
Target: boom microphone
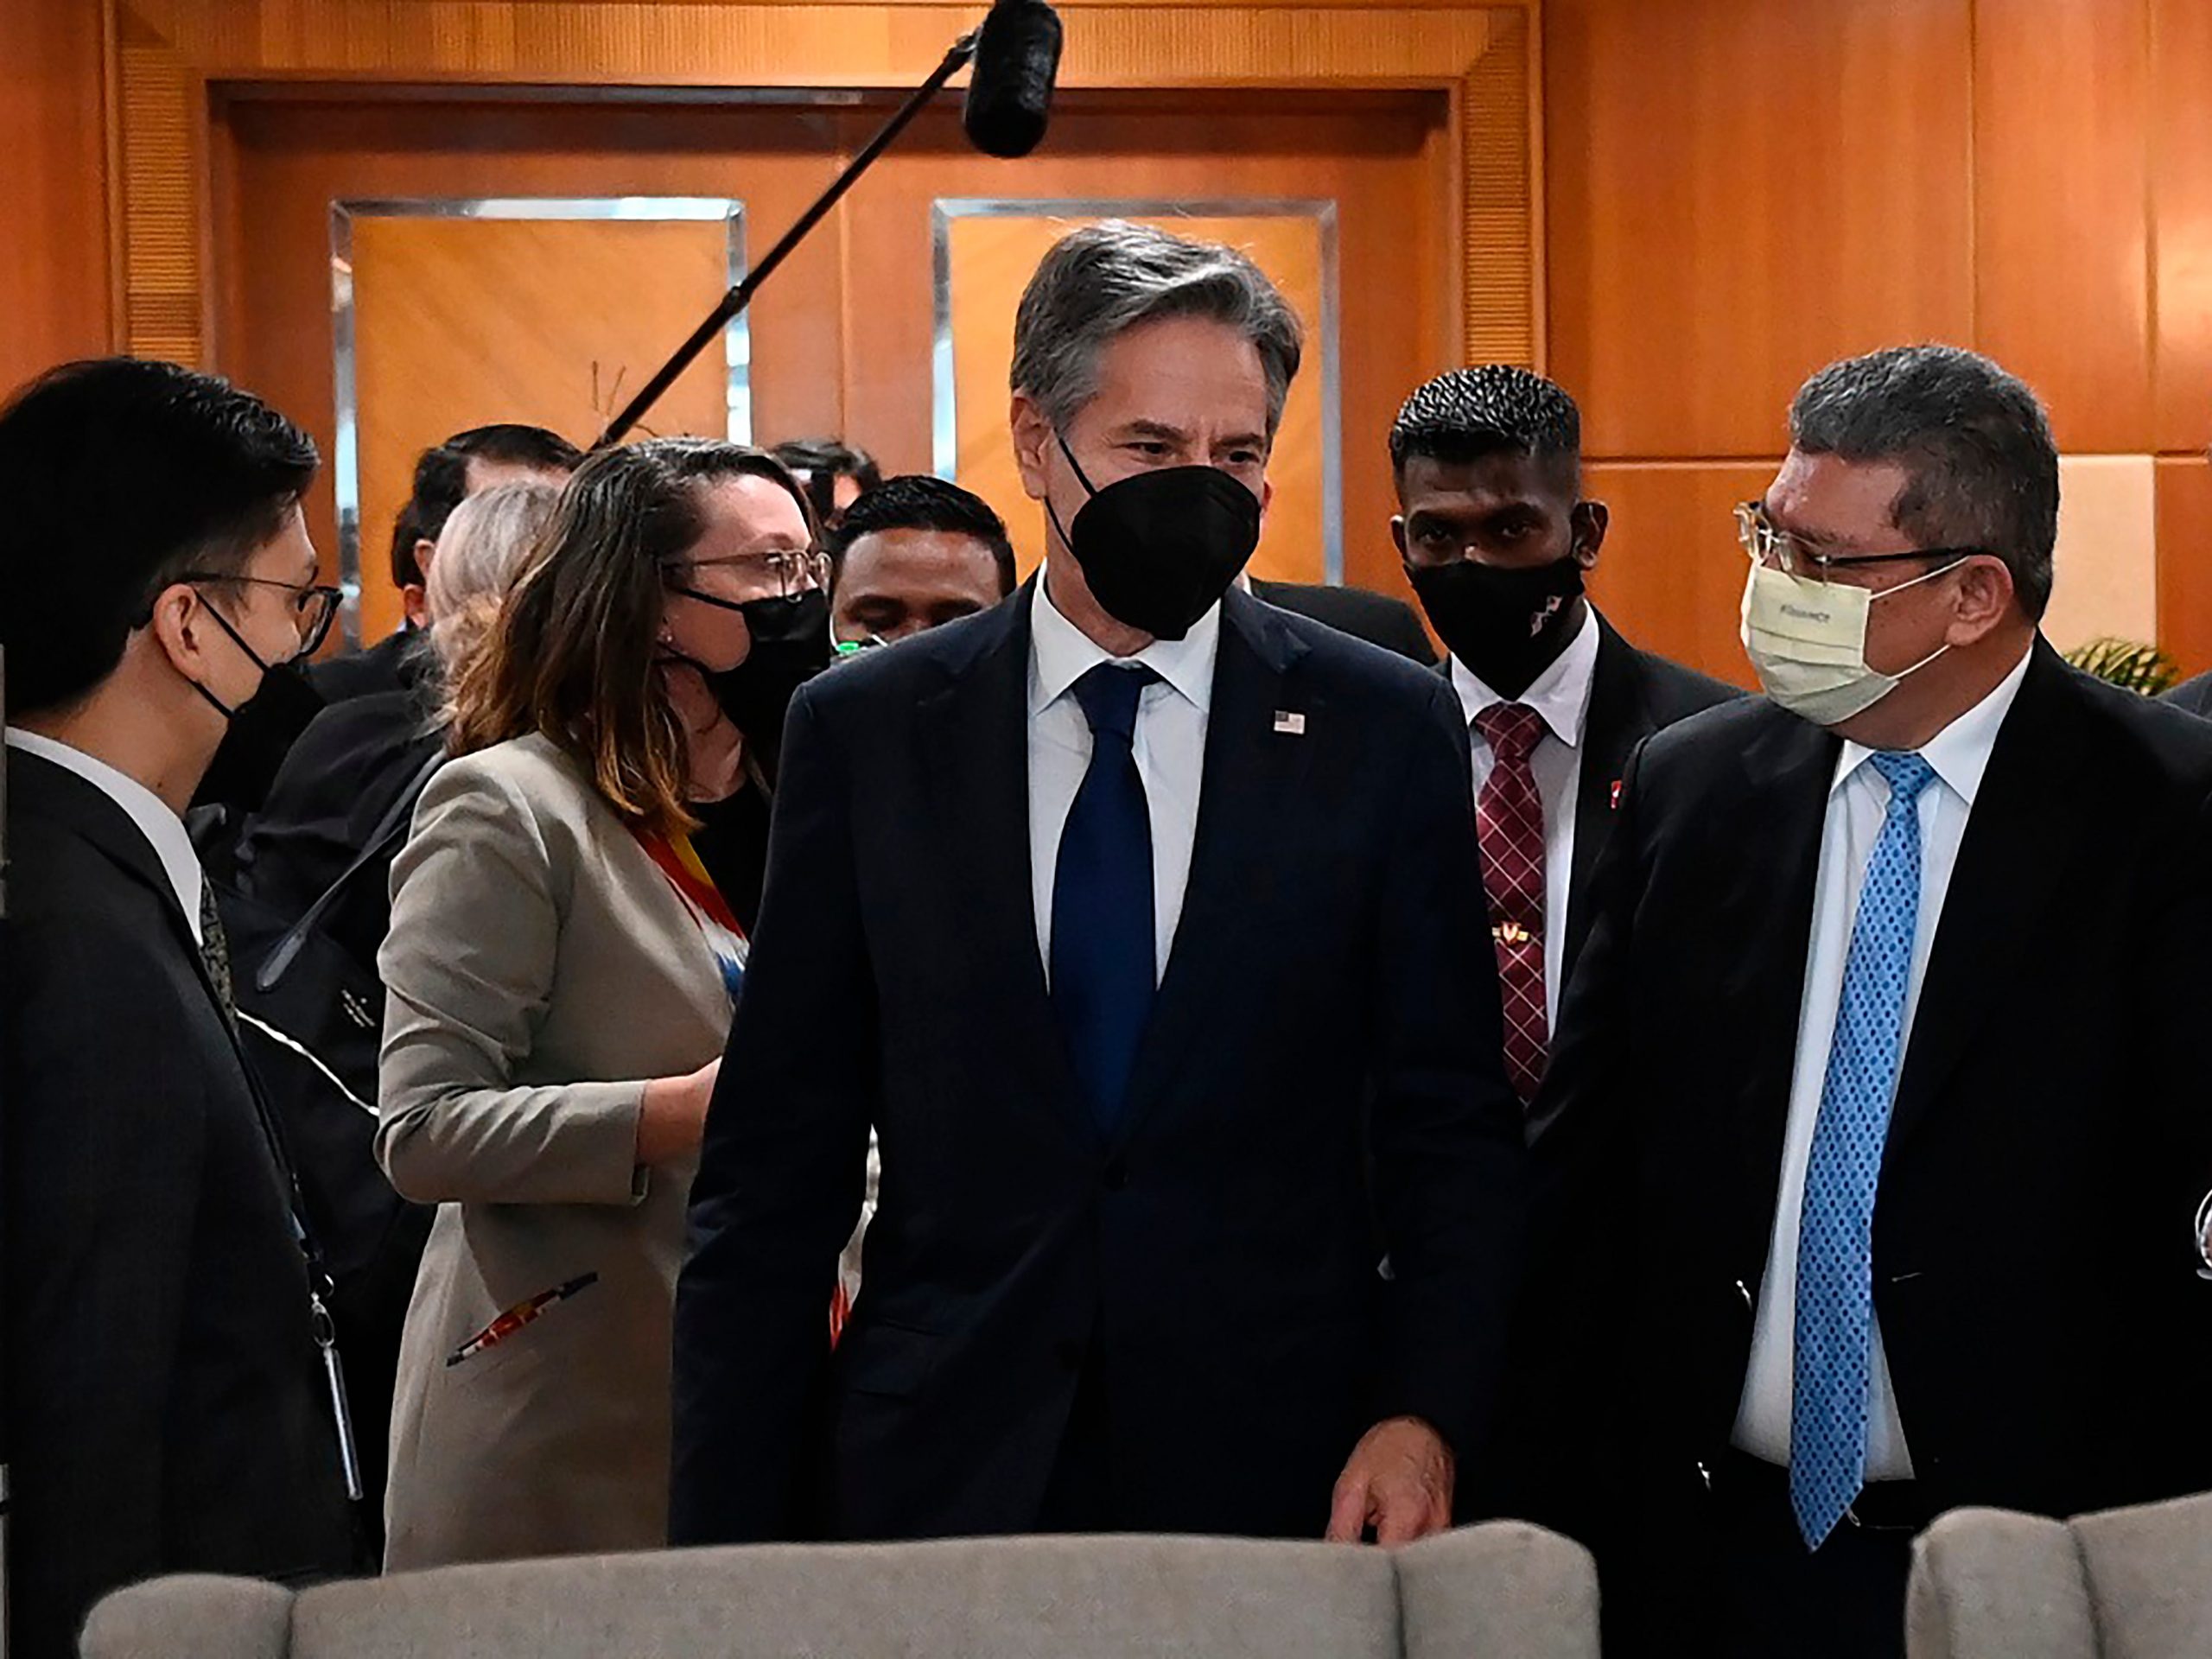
column 1010, row 95
column 1016, row 53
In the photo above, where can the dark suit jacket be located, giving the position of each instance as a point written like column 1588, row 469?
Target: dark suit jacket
column 352, row 762
column 165, row 1398
column 2194, row 694
column 1632, row 694
column 399, row 662
column 1377, row 618
column 2034, row 1273
column 1331, row 996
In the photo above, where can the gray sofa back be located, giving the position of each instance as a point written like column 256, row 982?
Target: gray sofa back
column 1503, row 1591
column 2126, row 1584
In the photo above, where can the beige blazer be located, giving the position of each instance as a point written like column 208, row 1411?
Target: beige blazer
column 540, row 968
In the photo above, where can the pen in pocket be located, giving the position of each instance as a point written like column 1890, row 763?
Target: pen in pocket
column 518, row 1316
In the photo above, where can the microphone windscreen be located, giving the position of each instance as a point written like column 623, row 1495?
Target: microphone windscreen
column 1010, row 93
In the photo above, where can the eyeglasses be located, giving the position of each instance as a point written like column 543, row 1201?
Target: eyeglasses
column 1778, row 549
column 796, row 569
column 314, row 605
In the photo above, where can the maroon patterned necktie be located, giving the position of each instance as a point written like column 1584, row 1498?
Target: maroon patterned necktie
column 1510, row 823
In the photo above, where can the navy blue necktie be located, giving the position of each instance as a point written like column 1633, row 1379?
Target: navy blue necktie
column 1103, row 974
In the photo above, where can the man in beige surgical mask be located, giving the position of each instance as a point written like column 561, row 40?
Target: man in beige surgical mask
column 1875, row 1108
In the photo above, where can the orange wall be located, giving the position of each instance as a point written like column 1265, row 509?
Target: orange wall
column 1736, row 191
column 1739, row 191
column 54, row 278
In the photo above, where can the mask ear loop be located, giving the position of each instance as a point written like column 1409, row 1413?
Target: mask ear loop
column 1081, row 477
column 1929, row 575
column 237, row 639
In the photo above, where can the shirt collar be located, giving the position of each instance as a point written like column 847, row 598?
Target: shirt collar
column 164, row 829
column 1060, row 654
column 1560, row 695
column 1958, row 754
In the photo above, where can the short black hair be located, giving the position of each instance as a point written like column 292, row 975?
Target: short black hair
column 1982, row 469
column 1469, row 413
column 120, row 475
column 441, row 482
column 919, row 502
column 820, row 462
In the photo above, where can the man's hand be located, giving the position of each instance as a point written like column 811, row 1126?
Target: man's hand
column 1398, row 1481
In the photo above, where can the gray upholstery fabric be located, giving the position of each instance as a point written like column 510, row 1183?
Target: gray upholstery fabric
column 1987, row 1583
column 2149, row 1572
column 1502, row 1591
column 1508, row 1590
column 192, row 1617
column 1072, row 1598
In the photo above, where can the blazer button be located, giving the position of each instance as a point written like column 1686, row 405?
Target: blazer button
column 1116, row 1176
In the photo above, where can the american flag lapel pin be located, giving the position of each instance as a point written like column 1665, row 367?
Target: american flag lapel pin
column 1289, row 723
column 1617, row 795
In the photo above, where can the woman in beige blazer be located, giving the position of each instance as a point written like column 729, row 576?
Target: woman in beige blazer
column 561, row 967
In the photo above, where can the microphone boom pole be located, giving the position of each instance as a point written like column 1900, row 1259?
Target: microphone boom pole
column 740, row 296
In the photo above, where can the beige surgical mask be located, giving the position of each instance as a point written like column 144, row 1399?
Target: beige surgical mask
column 1808, row 642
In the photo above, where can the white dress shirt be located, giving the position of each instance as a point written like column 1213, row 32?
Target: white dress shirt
column 164, row 829
column 1857, row 802
column 1170, row 748
column 1561, row 696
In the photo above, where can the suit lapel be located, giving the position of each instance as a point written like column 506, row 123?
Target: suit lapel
column 1789, row 768
column 976, row 730
column 1617, row 721
column 1247, row 792
column 2018, row 841
column 47, row 791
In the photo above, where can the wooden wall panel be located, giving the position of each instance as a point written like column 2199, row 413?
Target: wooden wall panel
column 2061, row 234
column 1739, row 191
column 1671, row 574
column 2180, row 114
column 53, row 281
column 2185, row 561
column 460, row 322
column 292, row 158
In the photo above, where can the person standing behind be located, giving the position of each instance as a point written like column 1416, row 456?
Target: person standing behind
column 562, row 963
column 1143, row 923
column 168, row 1409
column 446, row 474
column 834, row 474
column 1497, row 541
column 913, row 554
column 1876, row 1110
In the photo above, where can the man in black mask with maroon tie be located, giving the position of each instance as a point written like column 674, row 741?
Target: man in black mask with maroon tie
column 1143, row 923
column 1498, row 540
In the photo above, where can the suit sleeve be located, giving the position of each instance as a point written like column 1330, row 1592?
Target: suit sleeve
column 468, row 967
column 107, row 1140
column 1556, row 1456
column 781, row 1174
column 1446, row 1130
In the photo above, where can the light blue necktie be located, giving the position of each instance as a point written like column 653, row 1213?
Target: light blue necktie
column 1835, row 1235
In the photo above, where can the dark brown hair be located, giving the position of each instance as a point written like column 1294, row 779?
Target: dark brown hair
column 574, row 657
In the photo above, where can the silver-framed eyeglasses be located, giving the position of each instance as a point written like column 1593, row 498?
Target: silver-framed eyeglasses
column 796, row 569
column 1764, row 543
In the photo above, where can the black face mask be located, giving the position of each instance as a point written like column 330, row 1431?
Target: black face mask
column 790, row 645
column 1506, row 624
column 262, row 729
column 1160, row 549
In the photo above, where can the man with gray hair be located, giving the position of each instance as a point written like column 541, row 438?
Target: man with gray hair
column 1876, row 1107
column 1143, row 923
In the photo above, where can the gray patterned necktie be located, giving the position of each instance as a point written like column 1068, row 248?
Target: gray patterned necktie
column 215, row 954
